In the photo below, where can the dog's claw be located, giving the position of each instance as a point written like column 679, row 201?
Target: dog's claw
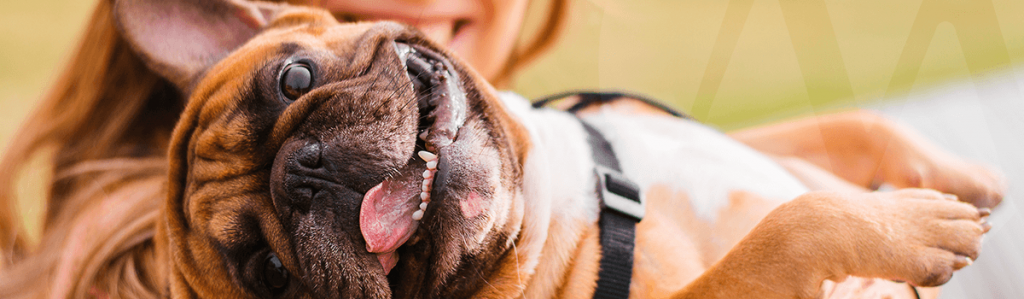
column 962, row 261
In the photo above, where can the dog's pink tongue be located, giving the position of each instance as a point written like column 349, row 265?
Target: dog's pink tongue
column 388, row 260
column 385, row 219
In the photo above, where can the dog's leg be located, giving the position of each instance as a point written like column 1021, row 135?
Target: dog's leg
column 818, row 179
column 867, row 149
column 912, row 235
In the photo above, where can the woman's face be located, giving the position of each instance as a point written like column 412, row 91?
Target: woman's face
column 482, row 32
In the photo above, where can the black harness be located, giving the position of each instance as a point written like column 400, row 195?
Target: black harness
column 621, row 208
column 587, row 98
column 621, row 202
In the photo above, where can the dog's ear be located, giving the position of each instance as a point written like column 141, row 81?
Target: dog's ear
column 178, row 39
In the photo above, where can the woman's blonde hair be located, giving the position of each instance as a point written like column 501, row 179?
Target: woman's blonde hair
column 103, row 129
column 529, row 48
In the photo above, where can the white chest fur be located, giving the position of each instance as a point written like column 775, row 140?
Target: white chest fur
column 705, row 164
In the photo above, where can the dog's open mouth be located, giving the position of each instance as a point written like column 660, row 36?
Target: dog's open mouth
column 391, row 211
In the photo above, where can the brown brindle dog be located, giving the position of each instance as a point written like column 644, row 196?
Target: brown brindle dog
column 317, row 159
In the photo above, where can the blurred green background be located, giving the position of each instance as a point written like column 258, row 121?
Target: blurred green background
column 736, row 63
column 36, row 38
column 731, row 63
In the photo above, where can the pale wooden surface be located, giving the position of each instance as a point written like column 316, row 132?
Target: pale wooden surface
column 983, row 120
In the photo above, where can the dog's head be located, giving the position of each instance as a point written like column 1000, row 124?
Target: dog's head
column 296, row 168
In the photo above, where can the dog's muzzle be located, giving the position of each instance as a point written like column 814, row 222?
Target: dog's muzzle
column 389, row 216
column 391, row 210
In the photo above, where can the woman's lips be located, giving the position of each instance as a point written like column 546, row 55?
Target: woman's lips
column 441, row 21
column 443, row 30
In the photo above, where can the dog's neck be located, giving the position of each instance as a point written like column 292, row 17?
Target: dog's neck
column 559, row 204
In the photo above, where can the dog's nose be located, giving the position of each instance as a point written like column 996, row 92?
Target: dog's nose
column 300, row 183
column 309, row 156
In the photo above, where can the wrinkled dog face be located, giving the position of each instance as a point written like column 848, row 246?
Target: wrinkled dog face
column 301, row 174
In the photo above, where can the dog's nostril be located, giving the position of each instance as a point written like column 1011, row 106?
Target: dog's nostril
column 302, row 196
column 309, row 156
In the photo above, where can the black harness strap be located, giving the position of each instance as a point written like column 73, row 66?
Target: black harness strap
column 621, row 204
column 587, row 98
column 621, row 209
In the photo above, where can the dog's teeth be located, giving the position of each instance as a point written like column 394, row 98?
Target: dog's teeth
column 424, row 195
column 427, row 174
column 423, row 135
column 423, row 206
column 432, row 165
column 427, row 156
column 417, row 215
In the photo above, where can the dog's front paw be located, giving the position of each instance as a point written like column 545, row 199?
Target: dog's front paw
column 913, row 162
column 914, row 235
column 972, row 183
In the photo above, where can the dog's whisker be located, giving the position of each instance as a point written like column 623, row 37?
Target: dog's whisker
column 484, row 278
column 519, row 272
column 391, row 84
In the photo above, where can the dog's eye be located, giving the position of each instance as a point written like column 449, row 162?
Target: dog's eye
column 296, row 80
column 275, row 276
